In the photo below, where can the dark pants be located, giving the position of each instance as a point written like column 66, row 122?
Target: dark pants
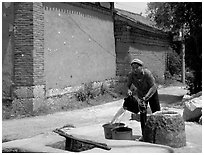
column 154, row 105
column 131, row 104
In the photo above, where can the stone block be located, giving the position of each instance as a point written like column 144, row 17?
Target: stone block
column 39, row 91
column 166, row 128
column 27, row 106
column 38, row 102
column 194, row 115
column 192, row 109
column 21, row 92
column 22, row 106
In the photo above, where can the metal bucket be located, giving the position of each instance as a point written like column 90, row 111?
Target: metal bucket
column 109, row 127
column 122, row 133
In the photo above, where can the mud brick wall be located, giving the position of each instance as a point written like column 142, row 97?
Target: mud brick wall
column 139, row 41
column 56, row 52
column 79, row 45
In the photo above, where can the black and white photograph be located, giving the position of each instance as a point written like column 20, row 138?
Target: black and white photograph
column 101, row 77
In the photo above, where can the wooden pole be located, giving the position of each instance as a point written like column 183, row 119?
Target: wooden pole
column 183, row 57
column 69, row 143
column 183, row 63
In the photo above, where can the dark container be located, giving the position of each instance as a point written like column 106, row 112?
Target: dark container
column 109, row 127
column 122, row 133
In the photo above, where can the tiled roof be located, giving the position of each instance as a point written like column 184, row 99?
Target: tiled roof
column 135, row 17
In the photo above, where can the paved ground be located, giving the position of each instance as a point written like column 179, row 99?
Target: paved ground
column 29, row 127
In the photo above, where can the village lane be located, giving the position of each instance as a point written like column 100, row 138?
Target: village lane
column 101, row 114
column 29, row 127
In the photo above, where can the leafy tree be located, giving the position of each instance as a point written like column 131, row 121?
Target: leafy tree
column 186, row 16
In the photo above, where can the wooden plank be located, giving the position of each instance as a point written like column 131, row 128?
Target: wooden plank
column 96, row 144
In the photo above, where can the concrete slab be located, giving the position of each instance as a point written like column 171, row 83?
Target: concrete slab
column 36, row 144
column 96, row 133
column 42, row 142
column 124, row 146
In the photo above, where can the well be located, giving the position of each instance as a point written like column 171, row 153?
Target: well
column 166, row 128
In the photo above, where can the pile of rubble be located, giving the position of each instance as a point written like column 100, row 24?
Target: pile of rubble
column 193, row 108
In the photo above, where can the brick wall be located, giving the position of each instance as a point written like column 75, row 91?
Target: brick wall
column 23, row 44
column 28, row 44
column 135, row 41
column 38, row 35
column 28, row 91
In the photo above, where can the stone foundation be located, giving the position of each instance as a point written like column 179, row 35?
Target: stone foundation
column 96, row 86
column 27, row 106
column 29, row 99
column 166, row 128
column 22, row 92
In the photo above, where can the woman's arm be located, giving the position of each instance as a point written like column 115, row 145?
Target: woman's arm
column 151, row 81
column 151, row 92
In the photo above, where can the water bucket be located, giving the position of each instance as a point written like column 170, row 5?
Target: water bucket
column 122, row 133
column 109, row 127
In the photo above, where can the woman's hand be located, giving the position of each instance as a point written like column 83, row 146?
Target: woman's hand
column 129, row 92
column 144, row 99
